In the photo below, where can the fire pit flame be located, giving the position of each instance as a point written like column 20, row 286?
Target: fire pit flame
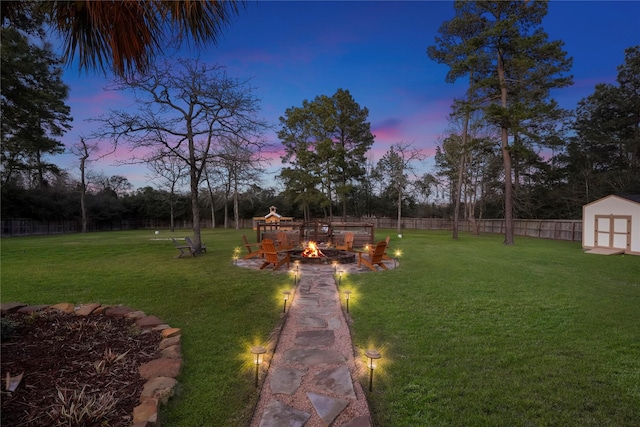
column 312, row 251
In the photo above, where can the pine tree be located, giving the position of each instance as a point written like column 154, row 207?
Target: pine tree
column 523, row 67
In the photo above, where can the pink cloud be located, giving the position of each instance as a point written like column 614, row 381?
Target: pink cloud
column 273, row 156
column 388, row 130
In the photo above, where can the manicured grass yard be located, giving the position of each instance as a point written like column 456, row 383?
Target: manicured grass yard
column 471, row 332
column 477, row 333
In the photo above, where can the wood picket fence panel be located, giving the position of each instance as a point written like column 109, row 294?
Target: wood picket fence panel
column 555, row 229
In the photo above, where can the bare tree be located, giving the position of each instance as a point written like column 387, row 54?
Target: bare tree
column 83, row 151
column 117, row 185
column 213, row 177
column 185, row 107
column 240, row 164
column 397, row 166
column 173, row 172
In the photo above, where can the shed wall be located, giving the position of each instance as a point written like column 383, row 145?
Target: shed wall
column 610, row 206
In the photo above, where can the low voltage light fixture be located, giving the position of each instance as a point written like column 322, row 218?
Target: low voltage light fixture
column 346, row 297
column 372, row 354
column 286, row 297
column 258, row 350
column 296, row 272
column 397, row 254
column 335, row 267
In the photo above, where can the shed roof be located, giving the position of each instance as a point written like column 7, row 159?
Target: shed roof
column 272, row 212
column 633, row 198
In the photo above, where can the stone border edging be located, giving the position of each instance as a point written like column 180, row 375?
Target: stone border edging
column 160, row 373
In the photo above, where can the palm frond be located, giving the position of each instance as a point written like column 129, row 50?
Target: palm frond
column 126, row 35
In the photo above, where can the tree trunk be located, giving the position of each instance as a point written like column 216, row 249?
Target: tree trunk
column 213, row 210
column 508, row 189
column 330, row 202
column 226, row 210
column 458, row 192
column 211, row 199
column 344, row 194
column 306, row 212
column 463, row 156
column 236, row 206
column 471, row 201
column 461, row 166
column 195, row 206
column 83, row 193
column 172, row 220
column 399, row 212
column 195, row 209
column 506, row 159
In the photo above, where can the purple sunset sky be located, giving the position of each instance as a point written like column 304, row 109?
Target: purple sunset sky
column 294, row 51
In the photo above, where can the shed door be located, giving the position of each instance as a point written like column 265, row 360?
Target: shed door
column 613, row 231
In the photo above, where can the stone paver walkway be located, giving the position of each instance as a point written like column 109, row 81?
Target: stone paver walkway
column 314, row 377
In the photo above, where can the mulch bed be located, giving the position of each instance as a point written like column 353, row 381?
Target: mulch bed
column 78, row 371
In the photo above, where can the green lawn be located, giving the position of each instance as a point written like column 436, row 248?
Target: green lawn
column 477, row 333
column 222, row 309
column 471, row 332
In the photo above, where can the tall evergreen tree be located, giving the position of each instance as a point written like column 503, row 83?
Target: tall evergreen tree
column 455, row 46
column 524, row 67
column 604, row 156
column 325, row 141
column 32, row 102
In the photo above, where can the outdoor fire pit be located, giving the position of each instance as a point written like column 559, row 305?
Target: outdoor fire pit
column 312, row 254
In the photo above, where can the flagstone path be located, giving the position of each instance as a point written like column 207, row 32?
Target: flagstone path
column 314, row 373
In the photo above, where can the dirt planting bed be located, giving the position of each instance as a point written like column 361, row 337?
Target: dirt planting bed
column 76, row 370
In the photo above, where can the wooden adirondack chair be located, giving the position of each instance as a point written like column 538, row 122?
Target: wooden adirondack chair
column 251, row 252
column 385, row 256
column 182, row 248
column 193, row 247
column 373, row 258
column 347, row 244
column 283, row 241
column 272, row 256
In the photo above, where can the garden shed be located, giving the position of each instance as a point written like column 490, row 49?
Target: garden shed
column 611, row 225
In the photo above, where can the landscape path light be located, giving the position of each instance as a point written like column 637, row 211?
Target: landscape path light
column 397, row 254
column 296, row 271
column 258, row 350
column 372, row 354
column 340, row 277
column 346, row 297
column 286, row 297
column 335, row 267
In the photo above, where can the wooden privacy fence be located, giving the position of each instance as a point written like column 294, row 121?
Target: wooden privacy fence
column 556, row 229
